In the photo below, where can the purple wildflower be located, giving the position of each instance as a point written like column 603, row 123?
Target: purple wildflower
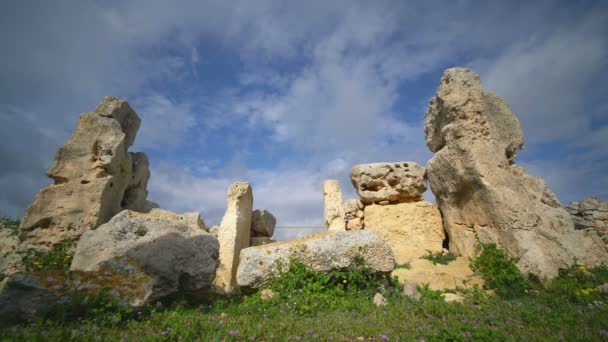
column 233, row 332
column 383, row 337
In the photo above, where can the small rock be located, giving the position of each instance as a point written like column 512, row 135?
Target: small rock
column 379, row 300
column 603, row 288
column 354, row 224
column 266, row 294
column 452, row 297
column 410, row 290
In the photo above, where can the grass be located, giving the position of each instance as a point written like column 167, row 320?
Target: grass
column 312, row 306
column 439, row 257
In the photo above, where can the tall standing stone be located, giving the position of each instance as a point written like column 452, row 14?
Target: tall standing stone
column 234, row 234
column 91, row 173
column 332, row 206
column 483, row 195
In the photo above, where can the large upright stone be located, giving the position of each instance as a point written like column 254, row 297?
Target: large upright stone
column 333, row 211
column 91, row 173
column 483, row 194
column 396, row 182
column 411, row 229
column 234, row 234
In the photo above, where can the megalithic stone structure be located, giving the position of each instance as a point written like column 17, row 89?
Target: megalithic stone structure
column 234, row 234
column 333, row 210
column 90, row 175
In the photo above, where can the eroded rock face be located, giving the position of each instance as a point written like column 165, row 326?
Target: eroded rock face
column 23, row 295
column 590, row 213
column 10, row 260
column 394, row 182
column 91, row 173
column 173, row 249
column 333, row 211
column 324, row 251
column 456, row 274
column 263, row 223
column 136, row 193
column 234, row 234
column 410, row 228
column 480, row 191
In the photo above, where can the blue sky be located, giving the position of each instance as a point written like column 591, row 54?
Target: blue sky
column 285, row 94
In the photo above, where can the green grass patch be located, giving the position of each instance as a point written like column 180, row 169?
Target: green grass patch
column 312, row 306
column 58, row 258
column 439, row 258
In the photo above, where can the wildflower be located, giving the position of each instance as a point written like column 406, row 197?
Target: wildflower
column 582, row 268
column 233, row 332
column 344, row 281
column 383, row 337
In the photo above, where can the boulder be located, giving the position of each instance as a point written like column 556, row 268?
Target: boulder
column 394, row 182
column 379, row 300
column 483, row 196
column 326, row 251
column 455, row 274
column 333, row 211
column 24, row 295
column 263, row 223
column 410, row 228
column 259, row 240
column 234, row 234
column 410, row 290
column 90, row 175
column 354, row 224
column 173, row 249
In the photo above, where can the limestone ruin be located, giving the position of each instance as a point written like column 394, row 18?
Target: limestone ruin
column 94, row 177
column 99, row 196
column 483, row 194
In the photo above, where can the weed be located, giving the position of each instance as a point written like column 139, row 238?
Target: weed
column 405, row 265
column 500, row 272
column 438, row 257
column 429, row 294
column 58, row 258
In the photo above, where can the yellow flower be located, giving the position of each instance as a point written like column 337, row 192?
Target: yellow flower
column 582, row 268
column 344, row 281
column 36, row 262
column 366, row 267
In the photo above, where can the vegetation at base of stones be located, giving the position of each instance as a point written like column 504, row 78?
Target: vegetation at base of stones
column 7, row 222
column 539, row 316
column 439, row 257
column 58, row 258
column 428, row 293
column 305, row 291
column 405, row 265
column 578, row 285
column 500, row 272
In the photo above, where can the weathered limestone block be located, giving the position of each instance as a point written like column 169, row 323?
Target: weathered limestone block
column 91, row 173
column 326, row 251
column 136, row 193
column 173, row 249
column 23, row 295
column 456, row 274
column 263, row 223
column 332, row 206
column 234, row 234
column 481, row 192
column 396, row 182
column 410, row 228
column 355, row 224
column 259, row 240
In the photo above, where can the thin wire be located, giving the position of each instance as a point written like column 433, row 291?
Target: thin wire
column 299, row 227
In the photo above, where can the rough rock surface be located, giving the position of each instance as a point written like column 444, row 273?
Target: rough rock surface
column 590, row 213
column 480, row 191
column 324, row 251
column 214, row 231
column 396, row 182
column 91, row 173
column 263, row 223
column 173, row 249
column 234, row 234
column 259, row 240
column 333, row 211
column 456, row 273
column 10, row 260
column 24, row 294
column 353, row 214
column 410, row 228
column 136, row 194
